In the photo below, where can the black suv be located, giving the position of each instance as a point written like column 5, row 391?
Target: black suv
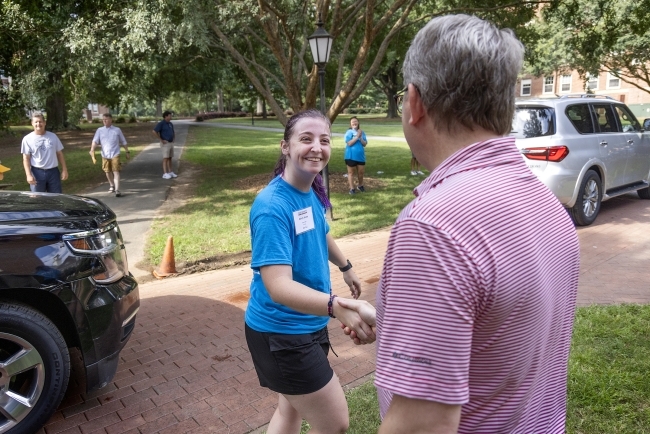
column 64, row 282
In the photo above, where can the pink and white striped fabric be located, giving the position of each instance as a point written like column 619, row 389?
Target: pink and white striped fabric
column 477, row 296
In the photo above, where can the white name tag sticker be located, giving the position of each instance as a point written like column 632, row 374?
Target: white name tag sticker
column 303, row 220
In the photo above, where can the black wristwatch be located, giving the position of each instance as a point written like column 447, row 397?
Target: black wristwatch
column 346, row 268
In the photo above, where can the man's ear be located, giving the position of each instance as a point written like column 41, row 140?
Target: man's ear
column 416, row 107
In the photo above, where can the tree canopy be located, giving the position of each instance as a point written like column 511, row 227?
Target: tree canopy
column 117, row 51
column 594, row 36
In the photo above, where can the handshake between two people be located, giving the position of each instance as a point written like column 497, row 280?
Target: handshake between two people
column 358, row 317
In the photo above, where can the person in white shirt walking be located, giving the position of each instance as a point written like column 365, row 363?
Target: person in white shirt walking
column 109, row 138
column 42, row 154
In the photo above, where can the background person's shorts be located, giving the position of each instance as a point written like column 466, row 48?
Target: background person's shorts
column 353, row 163
column 290, row 364
column 111, row 164
column 167, row 150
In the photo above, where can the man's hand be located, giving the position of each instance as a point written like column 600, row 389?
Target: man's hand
column 162, row 142
column 64, row 174
column 92, row 155
column 128, row 155
column 358, row 317
column 31, row 180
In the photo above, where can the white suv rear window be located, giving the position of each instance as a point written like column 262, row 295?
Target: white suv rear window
column 533, row 121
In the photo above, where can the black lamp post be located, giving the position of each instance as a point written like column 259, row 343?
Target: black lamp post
column 320, row 43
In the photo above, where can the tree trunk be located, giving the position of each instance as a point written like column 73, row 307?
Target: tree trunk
column 258, row 109
column 264, row 113
column 391, row 88
column 57, row 115
column 220, row 100
column 159, row 111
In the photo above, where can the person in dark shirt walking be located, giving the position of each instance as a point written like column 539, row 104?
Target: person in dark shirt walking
column 164, row 130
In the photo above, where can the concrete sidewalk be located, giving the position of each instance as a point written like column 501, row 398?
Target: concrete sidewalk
column 187, row 369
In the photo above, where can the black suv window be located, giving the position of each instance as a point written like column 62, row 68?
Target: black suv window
column 628, row 121
column 580, row 117
column 606, row 119
column 532, row 121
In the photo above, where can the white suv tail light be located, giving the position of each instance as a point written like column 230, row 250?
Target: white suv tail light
column 552, row 153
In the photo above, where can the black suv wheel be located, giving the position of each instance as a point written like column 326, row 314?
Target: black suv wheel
column 34, row 368
column 590, row 195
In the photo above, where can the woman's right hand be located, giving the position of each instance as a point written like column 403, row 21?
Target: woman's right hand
column 358, row 316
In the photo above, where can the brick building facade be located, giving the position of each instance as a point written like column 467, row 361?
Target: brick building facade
column 558, row 84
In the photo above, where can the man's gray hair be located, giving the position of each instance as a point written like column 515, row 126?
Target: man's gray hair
column 465, row 70
column 107, row 115
column 37, row 114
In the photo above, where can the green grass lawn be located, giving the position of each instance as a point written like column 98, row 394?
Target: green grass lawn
column 608, row 387
column 373, row 125
column 215, row 220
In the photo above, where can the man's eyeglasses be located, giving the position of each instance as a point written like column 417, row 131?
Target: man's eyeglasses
column 399, row 100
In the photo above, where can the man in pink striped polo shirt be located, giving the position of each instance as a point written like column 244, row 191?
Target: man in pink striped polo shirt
column 476, row 300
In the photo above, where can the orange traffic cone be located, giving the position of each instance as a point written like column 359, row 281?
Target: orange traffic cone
column 167, row 266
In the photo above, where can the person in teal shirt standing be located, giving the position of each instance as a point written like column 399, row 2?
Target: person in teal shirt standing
column 355, row 154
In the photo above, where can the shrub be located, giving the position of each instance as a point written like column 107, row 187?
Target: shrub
column 120, row 120
column 96, row 121
column 132, row 119
column 219, row 115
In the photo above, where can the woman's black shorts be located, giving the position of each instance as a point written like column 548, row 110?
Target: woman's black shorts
column 290, row 364
column 353, row 163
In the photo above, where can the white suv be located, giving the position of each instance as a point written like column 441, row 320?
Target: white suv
column 585, row 148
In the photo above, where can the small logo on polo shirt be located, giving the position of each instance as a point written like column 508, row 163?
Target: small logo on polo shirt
column 397, row 355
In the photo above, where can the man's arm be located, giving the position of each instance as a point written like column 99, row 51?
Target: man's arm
column 157, row 134
column 64, row 168
column 27, row 164
column 415, row 416
column 93, row 145
column 123, row 143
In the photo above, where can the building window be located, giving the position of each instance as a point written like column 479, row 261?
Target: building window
column 613, row 82
column 525, row 87
column 565, row 83
column 549, row 84
column 592, row 82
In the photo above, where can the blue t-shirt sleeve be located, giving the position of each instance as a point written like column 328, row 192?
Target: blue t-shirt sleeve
column 363, row 136
column 348, row 136
column 270, row 241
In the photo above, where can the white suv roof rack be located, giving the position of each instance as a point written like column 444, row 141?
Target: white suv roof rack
column 586, row 95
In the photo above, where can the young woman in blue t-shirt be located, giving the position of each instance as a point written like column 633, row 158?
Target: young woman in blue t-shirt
column 355, row 154
column 291, row 299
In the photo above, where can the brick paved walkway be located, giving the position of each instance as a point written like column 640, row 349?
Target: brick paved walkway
column 186, row 368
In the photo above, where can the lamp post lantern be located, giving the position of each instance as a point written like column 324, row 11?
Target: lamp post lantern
column 320, row 43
